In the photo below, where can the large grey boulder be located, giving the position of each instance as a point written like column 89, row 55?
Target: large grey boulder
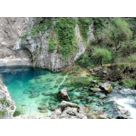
column 63, row 94
column 67, row 110
column 96, row 89
column 106, row 87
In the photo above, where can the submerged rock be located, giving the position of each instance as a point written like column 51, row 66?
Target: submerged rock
column 42, row 108
column 43, row 111
column 46, row 93
column 102, row 96
column 96, row 89
column 71, row 88
column 63, row 94
column 33, row 95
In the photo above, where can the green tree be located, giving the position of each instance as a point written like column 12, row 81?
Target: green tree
column 117, row 32
column 101, row 54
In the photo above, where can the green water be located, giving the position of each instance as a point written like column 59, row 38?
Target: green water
column 31, row 88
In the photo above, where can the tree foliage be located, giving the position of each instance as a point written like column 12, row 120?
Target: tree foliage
column 101, row 54
column 118, row 32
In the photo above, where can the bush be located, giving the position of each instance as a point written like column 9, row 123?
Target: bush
column 77, row 80
column 129, row 83
column 101, row 54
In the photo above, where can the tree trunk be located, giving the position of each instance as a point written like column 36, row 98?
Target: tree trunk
column 101, row 61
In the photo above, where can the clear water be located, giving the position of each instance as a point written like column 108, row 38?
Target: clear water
column 31, row 88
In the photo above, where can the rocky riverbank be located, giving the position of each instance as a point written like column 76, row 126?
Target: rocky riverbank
column 7, row 105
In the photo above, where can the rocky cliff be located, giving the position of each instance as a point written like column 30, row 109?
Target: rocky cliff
column 7, row 105
column 10, row 29
column 33, row 49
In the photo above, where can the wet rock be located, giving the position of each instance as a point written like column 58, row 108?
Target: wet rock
column 46, row 93
column 91, row 93
column 102, row 96
column 123, row 111
column 105, row 72
column 16, row 113
column 42, row 108
column 71, row 88
column 76, row 101
column 94, row 81
column 26, row 92
column 53, row 108
column 106, row 87
column 43, row 111
column 96, row 89
column 63, row 94
column 79, row 89
column 67, row 110
column 102, row 117
column 91, row 70
column 89, row 99
column 33, row 95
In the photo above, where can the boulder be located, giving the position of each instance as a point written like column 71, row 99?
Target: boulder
column 96, row 89
column 42, row 108
column 106, row 87
column 63, row 94
column 122, row 111
column 67, row 110
column 94, row 81
column 46, row 93
column 71, row 88
column 102, row 96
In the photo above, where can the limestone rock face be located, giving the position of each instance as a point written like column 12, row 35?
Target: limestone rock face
column 45, row 58
column 34, row 50
column 7, row 105
column 63, row 94
column 67, row 110
column 10, row 29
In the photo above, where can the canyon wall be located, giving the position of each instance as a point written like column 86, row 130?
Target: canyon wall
column 19, row 51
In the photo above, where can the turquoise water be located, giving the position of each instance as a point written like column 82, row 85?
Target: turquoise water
column 31, row 88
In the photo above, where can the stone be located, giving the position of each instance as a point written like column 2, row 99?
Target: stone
column 106, row 87
column 46, row 93
column 91, row 70
column 67, row 110
column 33, row 95
column 42, row 108
column 80, row 89
column 123, row 111
column 91, row 93
column 102, row 117
column 76, row 101
column 105, row 72
column 96, row 89
column 71, row 88
column 102, row 96
column 89, row 100
column 43, row 111
column 94, row 81
column 53, row 108
column 63, row 94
